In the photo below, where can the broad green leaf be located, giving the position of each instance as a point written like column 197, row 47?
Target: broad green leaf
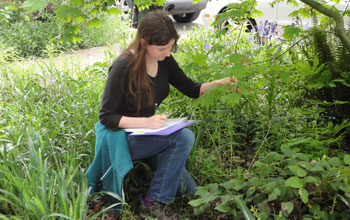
column 34, row 5
column 196, row 202
column 231, row 98
column 335, row 161
column 95, row 22
column 287, row 206
column 287, row 151
column 255, row 181
column 304, row 195
column 238, row 70
column 222, row 207
column 298, row 171
column 347, row 159
column 234, row 184
column 200, row 58
column 64, row 11
column 250, row 191
column 273, row 157
column 310, row 179
column 272, row 196
column 76, row 2
column 294, row 182
column 285, row 77
column 290, row 32
column 235, row 58
column 114, row 11
column 266, row 171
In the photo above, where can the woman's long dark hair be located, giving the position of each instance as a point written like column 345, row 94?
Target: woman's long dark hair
column 156, row 28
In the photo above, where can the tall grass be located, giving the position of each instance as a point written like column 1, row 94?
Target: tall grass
column 47, row 133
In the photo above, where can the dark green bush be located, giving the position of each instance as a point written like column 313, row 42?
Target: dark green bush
column 33, row 39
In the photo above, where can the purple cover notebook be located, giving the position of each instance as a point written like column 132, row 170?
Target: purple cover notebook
column 167, row 131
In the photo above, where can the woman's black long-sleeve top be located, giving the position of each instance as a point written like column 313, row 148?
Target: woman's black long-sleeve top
column 117, row 100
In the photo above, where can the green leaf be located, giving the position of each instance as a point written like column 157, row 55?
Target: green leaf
column 243, row 207
column 66, row 12
column 287, row 151
column 287, row 206
column 250, row 191
column 285, row 77
column 34, row 5
column 114, row 11
column 304, row 195
column 294, row 182
column 95, row 22
column 335, row 162
column 231, row 98
column 272, row 196
column 347, row 159
column 272, row 157
column 200, row 58
column 196, row 202
column 298, row 171
column 255, row 181
column 76, row 2
column 290, row 32
column 310, row 179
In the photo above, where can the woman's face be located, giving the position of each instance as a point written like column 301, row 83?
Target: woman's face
column 160, row 52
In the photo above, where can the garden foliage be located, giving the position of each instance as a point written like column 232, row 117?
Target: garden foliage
column 269, row 147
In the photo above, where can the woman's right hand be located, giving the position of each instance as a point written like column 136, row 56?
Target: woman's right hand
column 156, row 121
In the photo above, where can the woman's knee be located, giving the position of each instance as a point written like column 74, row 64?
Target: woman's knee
column 186, row 137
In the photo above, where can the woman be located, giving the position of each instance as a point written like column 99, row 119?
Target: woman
column 137, row 83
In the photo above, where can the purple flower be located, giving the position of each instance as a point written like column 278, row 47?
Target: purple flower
column 206, row 47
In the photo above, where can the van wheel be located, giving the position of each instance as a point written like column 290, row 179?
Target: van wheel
column 129, row 11
column 186, row 18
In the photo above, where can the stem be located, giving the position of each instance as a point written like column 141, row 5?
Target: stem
column 262, row 143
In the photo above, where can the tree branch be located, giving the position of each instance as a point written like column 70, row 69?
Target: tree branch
column 338, row 18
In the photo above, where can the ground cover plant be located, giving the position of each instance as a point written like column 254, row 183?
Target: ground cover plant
column 41, row 34
column 266, row 148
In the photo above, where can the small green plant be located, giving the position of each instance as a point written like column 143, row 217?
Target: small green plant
column 284, row 186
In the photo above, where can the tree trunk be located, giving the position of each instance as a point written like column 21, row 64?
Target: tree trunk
column 338, row 18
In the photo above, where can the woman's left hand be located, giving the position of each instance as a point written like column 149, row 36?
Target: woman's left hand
column 227, row 81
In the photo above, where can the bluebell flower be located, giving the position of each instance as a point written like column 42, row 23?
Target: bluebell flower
column 206, row 47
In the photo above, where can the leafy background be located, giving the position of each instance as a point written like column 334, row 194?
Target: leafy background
column 273, row 146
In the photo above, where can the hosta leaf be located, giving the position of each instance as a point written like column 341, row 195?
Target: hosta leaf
column 298, row 171
column 294, row 182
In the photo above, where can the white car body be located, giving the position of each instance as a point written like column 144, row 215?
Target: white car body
column 279, row 13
